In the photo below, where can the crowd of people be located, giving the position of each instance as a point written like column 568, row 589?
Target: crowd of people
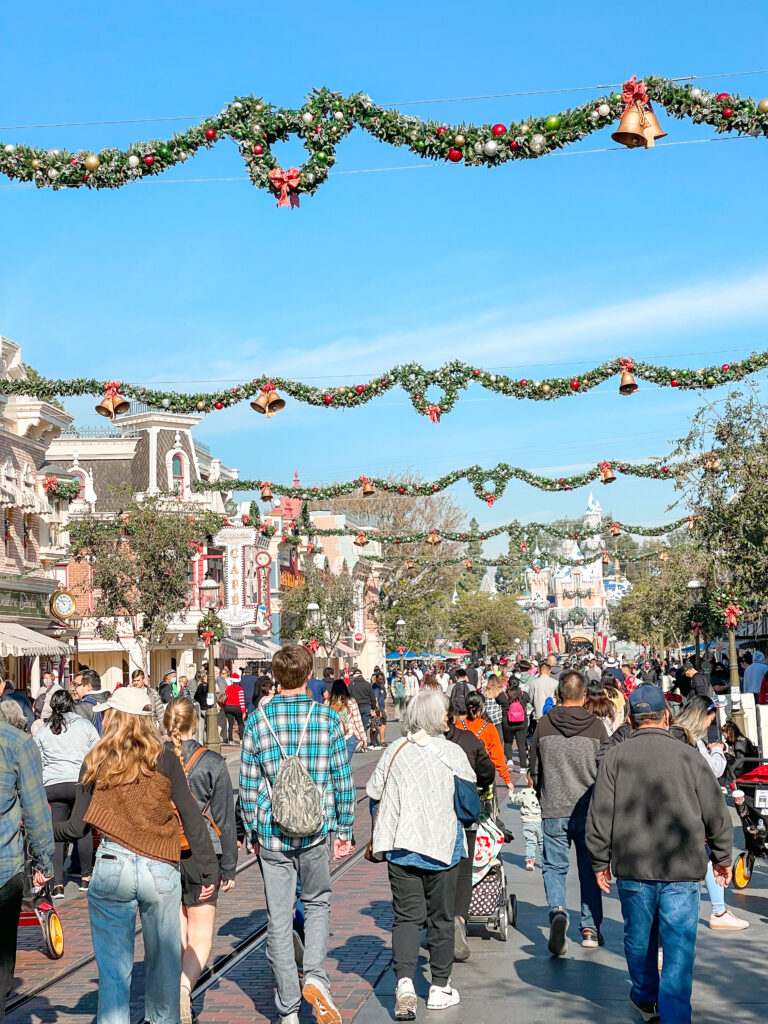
column 607, row 760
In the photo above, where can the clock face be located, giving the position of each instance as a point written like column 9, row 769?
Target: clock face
column 63, row 604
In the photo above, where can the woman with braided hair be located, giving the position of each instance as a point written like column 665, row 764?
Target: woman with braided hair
column 211, row 787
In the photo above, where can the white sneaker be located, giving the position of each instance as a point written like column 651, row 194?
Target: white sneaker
column 441, row 997
column 319, row 998
column 728, row 920
column 185, row 1006
column 292, row 1018
column 405, row 1000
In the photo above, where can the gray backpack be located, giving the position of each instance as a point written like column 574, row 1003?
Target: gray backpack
column 297, row 809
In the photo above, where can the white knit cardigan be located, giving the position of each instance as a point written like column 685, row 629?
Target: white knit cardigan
column 416, row 811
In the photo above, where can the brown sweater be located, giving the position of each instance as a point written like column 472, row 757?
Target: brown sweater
column 140, row 817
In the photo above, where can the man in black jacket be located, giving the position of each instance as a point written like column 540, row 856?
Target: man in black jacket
column 563, row 767
column 361, row 691
column 655, row 805
column 485, row 772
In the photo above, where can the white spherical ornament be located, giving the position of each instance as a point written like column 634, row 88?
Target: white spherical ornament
column 339, row 115
column 493, row 378
column 490, row 147
column 307, row 118
column 309, row 177
column 166, row 403
column 696, row 94
column 595, row 115
column 478, row 147
column 524, row 127
column 603, row 110
column 237, row 105
column 133, row 160
column 259, row 106
column 53, row 173
column 10, row 148
column 53, row 152
column 538, row 143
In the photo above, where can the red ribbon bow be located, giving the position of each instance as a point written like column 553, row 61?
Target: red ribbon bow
column 696, row 627
column 270, row 385
column 490, row 499
column 312, row 645
column 207, row 636
column 433, row 411
column 49, row 483
column 732, row 613
column 401, row 651
column 627, row 363
column 635, row 92
column 603, row 466
column 112, row 388
column 286, row 183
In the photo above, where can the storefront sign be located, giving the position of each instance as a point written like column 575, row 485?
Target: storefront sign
column 247, row 572
column 24, row 603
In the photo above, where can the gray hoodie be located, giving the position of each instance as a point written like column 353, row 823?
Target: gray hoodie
column 62, row 754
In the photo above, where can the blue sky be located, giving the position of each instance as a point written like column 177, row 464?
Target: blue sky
column 546, row 266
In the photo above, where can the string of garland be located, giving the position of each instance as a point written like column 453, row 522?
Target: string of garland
column 452, row 378
column 480, row 479
column 646, row 556
column 525, row 533
column 326, row 118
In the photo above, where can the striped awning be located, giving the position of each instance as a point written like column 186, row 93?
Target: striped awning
column 20, row 642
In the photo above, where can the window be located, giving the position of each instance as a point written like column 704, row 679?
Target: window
column 28, row 536
column 7, row 524
column 177, row 474
column 80, row 479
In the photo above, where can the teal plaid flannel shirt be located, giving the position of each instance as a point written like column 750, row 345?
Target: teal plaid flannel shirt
column 323, row 753
column 22, row 796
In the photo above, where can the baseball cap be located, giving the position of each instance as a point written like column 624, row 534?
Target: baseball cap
column 128, row 699
column 645, row 699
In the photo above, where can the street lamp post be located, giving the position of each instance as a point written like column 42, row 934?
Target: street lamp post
column 484, row 643
column 612, row 642
column 209, row 597
column 695, row 591
column 400, row 632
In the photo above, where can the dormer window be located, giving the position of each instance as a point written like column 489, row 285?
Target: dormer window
column 80, row 479
column 177, row 475
column 7, row 533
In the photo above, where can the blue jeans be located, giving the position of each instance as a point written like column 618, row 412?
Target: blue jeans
column 666, row 911
column 122, row 883
column 559, row 833
column 352, row 742
column 533, row 840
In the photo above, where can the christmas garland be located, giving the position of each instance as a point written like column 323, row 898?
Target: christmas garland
column 480, row 479
column 571, row 595
column 326, row 118
column 468, row 563
column 413, row 378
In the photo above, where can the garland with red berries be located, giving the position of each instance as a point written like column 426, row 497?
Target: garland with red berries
column 326, row 118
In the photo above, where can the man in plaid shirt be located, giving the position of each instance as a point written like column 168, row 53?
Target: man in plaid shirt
column 21, row 796
column 283, row 858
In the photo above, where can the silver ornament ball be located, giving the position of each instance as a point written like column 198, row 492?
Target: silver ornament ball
column 53, row 173
column 133, row 160
column 603, row 110
column 696, row 94
column 10, row 148
column 537, row 143
column 307, row 118
column 595, row 115
column 53, row 152
column 490, row 147
column 478, row 147
column 339, row 115
column 237, row 105
column 166, row 403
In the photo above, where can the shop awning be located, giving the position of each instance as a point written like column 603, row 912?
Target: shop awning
column 254, row 649
column 20, row 642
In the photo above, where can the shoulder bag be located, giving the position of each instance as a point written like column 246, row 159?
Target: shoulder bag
column 369, row 854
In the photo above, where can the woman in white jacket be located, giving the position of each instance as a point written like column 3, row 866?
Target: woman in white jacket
column 416, row 830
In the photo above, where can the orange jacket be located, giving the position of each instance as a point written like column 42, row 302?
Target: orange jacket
column 489, row 735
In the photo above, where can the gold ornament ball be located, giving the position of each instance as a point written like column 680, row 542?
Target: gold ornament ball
column 35, row 165
column 546, row 389
column 92, row 162
column 762, row 106
column 459, row 140
column 200, row 406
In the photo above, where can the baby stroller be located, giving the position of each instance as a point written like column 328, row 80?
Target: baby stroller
column 37, row 910
column 491, row 904
column 750, row 795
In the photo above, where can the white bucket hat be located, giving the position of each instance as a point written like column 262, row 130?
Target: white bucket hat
column 130, row 700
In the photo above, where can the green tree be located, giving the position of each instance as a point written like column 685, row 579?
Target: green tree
column 333, row 594
column 501, row 617
column 140, row 559
column 510, row 578
column 470, row 579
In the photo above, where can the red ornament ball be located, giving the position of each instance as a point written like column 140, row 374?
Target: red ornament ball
column 149, row 159
column 328, row 399
column 727, row 111
column 435, row 488
column 665, row 469
column 218, row 405
column 574, row 385
column 476, row 373
column 513, row 144
column 73, row 160
column 360, row 388
column 499, row 129
column 726, row 367
column 523, row 383
column 442, row 130
column 722, row 96
column 401, row 490
column 561, row 480
column 454, row 155
column 210, row 133
column 674, row 383
column 258, row 149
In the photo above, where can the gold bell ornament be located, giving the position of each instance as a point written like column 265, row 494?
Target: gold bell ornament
column 628, row 384
column 433, row 538
column 409, row 563
column 266, row 491
column 607, row 476
column 268, row 402
column 368, row 488
column 112, row 404
column 360, row 540
column 638, row 127
column 663, row 556
column 615, row 530
column 616, row 567
column 712, row 463
column 606, row 558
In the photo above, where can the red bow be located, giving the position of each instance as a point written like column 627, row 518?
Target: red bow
column 732, row 613
column 635, row 92
column 112, row 388
column 433, row 411
column 207, row 636
column 286, row 183
column 270, row 385
column 401, row 651
column 312, row 645
column 537, row 569
column 49, row 483
column 603, row 466
column 627, row 363
column 490, row 499
column 696, row 627
column 246, row 518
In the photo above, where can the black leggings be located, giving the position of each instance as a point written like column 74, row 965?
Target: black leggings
column 61, row 797
column 517, row 737
column 234, row 715
column 421, row 897
column 464, row 880
column 10, row 907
